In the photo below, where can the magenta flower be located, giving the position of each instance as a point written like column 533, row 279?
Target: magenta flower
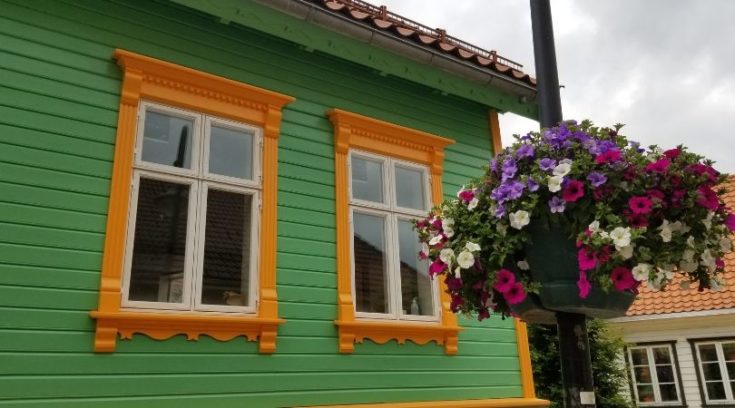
column 622, row 278
column 515, row 294
column 504, row 280
column 584, row 285
column 586, row 259
column 437, row 267
column 609, row 156
column 708, row 198
column 720, row 263
column 640, row 205
column 672, row 154
column 467, row 195
column 573, row 191
column 659, row 166
column 730, row 222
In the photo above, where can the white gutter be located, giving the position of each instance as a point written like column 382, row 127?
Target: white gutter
column 665, row 316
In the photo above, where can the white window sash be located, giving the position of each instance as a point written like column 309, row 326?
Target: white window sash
column 655, row 384
column 722, row 365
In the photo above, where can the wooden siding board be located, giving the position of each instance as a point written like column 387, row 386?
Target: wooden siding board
column 58, row 113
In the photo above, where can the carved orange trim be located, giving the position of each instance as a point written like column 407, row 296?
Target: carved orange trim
column 479, row 403
column 356, row 131
column 152, row 79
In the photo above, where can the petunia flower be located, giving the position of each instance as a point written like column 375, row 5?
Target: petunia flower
column 532, row 185
column 504, row 280
column 708, row 198
column 672, row 154
column 465, row 259
column 554, row 183
column 586, row 259
column 466, row 195
column 523, row 265
column 610, row 156
column 622, row 278
column 472, row 204
column 472, row 247
column 641, row 272
column 640, row 205
column 556, row 205
column 659, row 166
column 519, row 219
column 573, row 191
column 596, row 179
column 562, row 169
column 424, row 253
column 626, row 252
column 620, row 236
column 584, row 285
column 436, row 239
column 524, row 151
column 547, row 164
column 515, row 294
column 447, row 256
column 437, row 267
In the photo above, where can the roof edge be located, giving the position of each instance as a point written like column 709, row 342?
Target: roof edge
column 678, row 315
column 314, row 28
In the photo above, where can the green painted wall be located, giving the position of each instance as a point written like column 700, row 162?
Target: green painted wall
column 59, row 94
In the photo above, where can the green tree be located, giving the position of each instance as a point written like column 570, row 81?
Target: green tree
column 609, row 376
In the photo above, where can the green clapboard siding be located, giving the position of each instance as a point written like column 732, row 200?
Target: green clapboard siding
column 59, row 95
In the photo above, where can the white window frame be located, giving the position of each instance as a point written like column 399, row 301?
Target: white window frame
column 392, row 213
column 200, row 181
column 654, row 375
column 729, row 394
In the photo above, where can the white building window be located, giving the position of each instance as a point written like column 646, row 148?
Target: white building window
column 193, row 224
column 717, row 370
column 389, row 281
column 654, row 375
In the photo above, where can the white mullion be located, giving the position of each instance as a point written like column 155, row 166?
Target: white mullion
column 632, row 375
column 723, row 371
column 654, row 374
column 197, row 272
column 394, row 261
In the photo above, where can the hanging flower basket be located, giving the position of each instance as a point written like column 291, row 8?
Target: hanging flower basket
column 574, row 219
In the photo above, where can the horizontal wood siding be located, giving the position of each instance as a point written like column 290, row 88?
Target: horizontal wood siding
column 59, row 96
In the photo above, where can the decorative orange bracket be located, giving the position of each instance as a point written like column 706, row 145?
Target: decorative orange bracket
column 151, row 79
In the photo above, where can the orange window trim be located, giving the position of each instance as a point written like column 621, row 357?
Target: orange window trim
column 353, row 131
column 475, row 403
column 155, row 80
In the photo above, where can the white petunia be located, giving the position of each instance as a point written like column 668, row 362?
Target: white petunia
column 626, row 252
column 566, row 161
column 707, row 221
column 424, row 249
column 594, row 226
column 641, row 272
column 725, row 244
column 688, row 266
column 708, row 260
column 688, row 255
column 605, row 234
column 447, row 256
column 655, row 283
column 458, row 273
column 562, row 169
column 523, row 265
column 686, row 285
column 665, row 272
column 667, row 230
column 554, row 183
column 465, row 259
column 449, row 232
column 472, row 247
column 519, row 219
column 448, row 227
column 472, row 204
column 620, row 237
column 436, row 239
column 666, row 235
column 716, row 285
column 690, row 241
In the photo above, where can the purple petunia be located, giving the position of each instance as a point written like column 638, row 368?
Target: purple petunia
column 500, row 211
column 556, row 205
column 509, row 170
column 525, row 150
column 532, row 185
column 547, row 164
column 507, row 191
column 596, row 179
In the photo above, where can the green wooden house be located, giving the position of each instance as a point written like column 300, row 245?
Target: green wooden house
column 209, row 203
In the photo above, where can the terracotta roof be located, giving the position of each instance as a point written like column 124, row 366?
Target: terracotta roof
column 677, row 300
column 431, row 38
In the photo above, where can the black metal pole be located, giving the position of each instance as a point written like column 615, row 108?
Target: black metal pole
column 574, row 350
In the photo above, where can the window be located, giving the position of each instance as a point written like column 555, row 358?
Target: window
column 193, row 230
column 717, row 370
column 386, row 175
column 190, row 244
column 390, row 282
column 654, row 374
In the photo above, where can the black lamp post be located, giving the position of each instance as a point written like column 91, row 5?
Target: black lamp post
column 576, row 365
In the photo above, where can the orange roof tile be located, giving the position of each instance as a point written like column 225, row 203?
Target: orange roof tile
column 677, row 300
column 435, row 39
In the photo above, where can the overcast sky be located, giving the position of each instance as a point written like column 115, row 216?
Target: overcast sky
column 665, row 68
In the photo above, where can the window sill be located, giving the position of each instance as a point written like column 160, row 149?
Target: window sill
column 356, row 331
column 161, row 326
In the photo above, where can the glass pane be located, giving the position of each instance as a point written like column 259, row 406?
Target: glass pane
column 728, row 349
column 416, row 294
column 708, row 352
column 716, row 391
column 367, row 179
column 639, row 356
column 370, row 263
column 711, row 371
column 665, row 373
column 231, row 152
column 227, row 249
column 167, row 140
column 668, row 392
column 661, row 355
column 159, row 249
column 410, row 188
column 645, row 393
column 731, row 370
column 642, row 374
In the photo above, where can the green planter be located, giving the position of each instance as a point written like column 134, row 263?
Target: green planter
column 553, row 259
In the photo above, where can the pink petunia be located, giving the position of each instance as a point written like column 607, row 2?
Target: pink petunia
column 672, row 154
column 720, row 263
column 437, row 267
column 467, row 195
column 437, row 223
column 640, row 205
column 708, row 198
column 609, row 156
column 515, row 294
column 453, row 284
column 573, row 191
column 622, row 278
column 584, row 285
column 730, row 222
column 659, row 166
column 586, row 259
column 504, row 280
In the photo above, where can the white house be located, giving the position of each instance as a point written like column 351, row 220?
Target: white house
column 681, row 343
